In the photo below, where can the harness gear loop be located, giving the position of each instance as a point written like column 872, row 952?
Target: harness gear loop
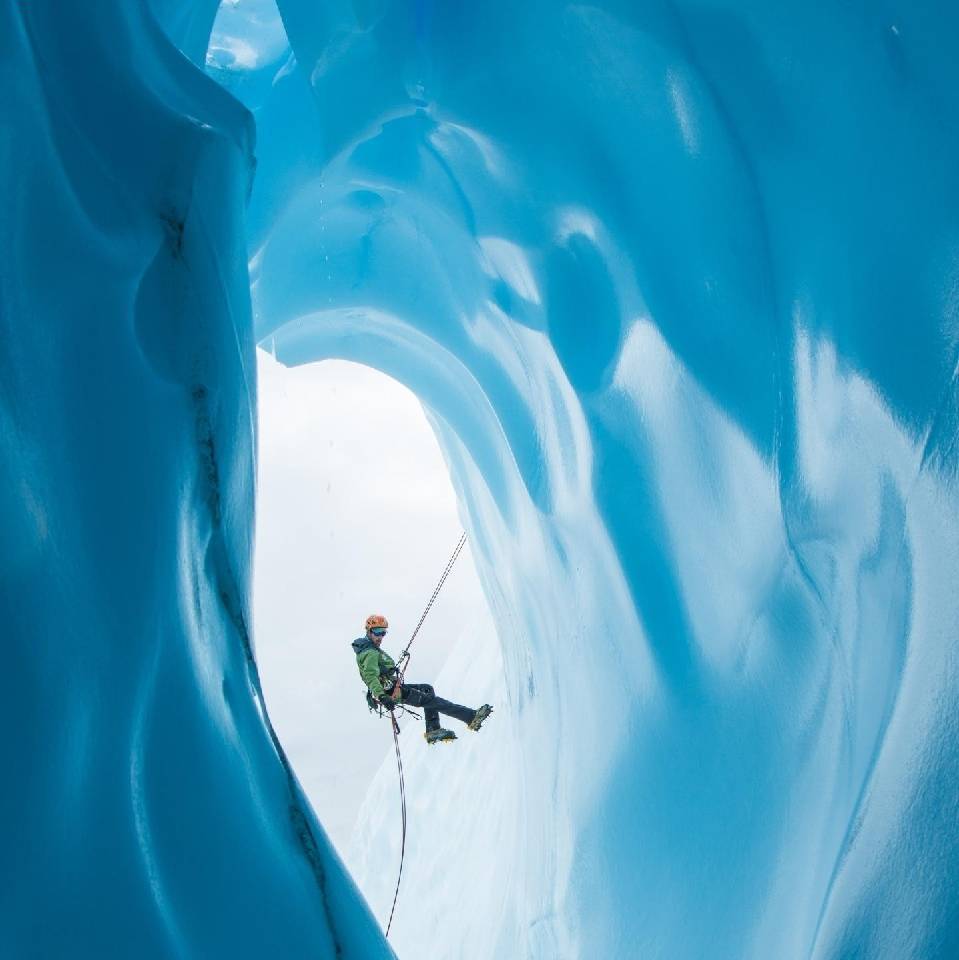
column 381, row 711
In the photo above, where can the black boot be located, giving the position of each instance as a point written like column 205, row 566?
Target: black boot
column 478, row 717
column 438, row 735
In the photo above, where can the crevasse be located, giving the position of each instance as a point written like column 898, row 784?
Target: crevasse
column 677, row 285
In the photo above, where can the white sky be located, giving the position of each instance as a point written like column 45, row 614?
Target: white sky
column 355, row 515
column 247, row 35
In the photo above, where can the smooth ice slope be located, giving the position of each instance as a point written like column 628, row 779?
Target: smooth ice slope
column 679, row 286
column 147, row 810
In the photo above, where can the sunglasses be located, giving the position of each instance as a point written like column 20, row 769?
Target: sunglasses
column 378, row 631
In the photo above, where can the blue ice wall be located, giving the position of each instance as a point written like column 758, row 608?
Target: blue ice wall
column 147, row 810
column 679, row 286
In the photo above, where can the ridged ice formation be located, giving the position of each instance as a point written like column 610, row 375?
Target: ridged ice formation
column 678, row 284
column 147, row 810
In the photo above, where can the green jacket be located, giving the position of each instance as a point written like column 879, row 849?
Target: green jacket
column 374, row 665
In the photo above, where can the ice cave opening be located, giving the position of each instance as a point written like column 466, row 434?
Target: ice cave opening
column 355, row 514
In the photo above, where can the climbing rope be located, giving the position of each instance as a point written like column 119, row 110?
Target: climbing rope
column 399, row 767
column 402, row 663
column 405, row 655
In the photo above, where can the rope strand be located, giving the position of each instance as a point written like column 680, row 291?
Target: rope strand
column 399, row 767
column 405, row 655
column 404, row 659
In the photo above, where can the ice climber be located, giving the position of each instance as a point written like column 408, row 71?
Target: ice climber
column 381, row 677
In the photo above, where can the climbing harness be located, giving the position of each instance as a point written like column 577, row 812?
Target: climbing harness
column 381, row 711
column 401, row 666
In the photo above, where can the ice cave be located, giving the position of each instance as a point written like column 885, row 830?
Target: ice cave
column 677, row 283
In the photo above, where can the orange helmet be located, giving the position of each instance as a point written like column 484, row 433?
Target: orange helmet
column 376, row 620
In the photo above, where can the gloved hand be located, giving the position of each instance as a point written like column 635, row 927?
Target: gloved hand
column 387, row 701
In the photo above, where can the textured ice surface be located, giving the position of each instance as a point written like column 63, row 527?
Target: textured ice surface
column 678, row 284
column 147, row 810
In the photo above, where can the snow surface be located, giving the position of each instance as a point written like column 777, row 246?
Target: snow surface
column 678, row 285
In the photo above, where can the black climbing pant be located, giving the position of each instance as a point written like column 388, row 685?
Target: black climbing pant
column 424, row 696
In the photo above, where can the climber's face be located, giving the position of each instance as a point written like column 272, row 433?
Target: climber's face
column 377, row 634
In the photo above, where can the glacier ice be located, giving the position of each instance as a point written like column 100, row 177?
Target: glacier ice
column 678, row 285
column 148, row 810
